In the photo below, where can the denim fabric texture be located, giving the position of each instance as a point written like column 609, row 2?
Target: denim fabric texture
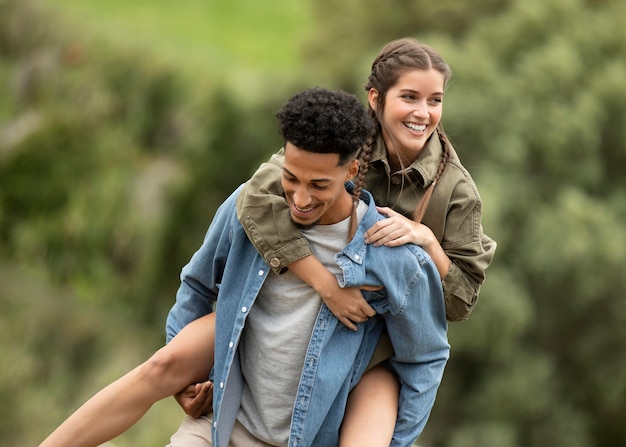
column 226, row 274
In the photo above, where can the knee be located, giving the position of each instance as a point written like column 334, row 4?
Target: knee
column 161, row 365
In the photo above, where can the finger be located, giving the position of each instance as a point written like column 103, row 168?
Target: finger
column 374, row 235
column 370, row 287
column 349, row 324
column 386, row 211
column 358, row 318
column 197, row 405
column 398, row 240
column 392, row 236
column 373, row 231
column 369, row 311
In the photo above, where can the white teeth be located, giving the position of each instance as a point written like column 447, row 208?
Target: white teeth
column 416, row 127
column 303, row 210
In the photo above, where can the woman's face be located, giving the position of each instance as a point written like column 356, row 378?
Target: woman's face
column 413, row 108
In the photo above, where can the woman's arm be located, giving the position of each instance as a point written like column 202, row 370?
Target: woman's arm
column 186, row 359
column 398, row 230
column 264, row 215
column 461, row 266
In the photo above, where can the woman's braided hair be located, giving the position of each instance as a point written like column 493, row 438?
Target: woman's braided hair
column 393, row 60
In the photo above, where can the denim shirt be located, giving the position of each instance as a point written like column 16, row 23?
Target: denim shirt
column 227, row 272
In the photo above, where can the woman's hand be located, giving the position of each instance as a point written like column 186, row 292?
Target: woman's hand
column 398, row 230
column 348, row 304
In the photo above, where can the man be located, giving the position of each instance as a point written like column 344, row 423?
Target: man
column 284, row 365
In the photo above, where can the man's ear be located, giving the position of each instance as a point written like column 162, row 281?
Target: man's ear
column 353, row 169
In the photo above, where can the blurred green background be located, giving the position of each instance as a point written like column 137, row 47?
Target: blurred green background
column 124, row 124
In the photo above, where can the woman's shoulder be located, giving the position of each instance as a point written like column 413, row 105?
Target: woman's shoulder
column 457, row 178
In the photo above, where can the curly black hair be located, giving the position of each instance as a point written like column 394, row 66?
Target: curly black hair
column 325, row 121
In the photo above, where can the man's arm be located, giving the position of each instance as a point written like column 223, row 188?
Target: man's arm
column 201, row 277
column 418, row 333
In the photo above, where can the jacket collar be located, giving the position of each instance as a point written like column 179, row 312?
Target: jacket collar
column 423, row 170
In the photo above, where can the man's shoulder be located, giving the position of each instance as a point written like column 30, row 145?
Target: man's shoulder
column 401, row 254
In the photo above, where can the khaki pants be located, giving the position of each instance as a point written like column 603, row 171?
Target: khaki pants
column 197, row 433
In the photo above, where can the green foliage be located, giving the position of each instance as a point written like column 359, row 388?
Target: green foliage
column 111, row 166
column 113, row 159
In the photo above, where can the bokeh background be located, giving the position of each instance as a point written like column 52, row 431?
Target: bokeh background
column 124, row 124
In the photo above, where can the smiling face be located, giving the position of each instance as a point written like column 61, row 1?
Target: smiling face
column 314, row 186
column 412, row 110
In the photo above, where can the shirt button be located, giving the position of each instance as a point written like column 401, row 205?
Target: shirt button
column 357, row 257
column 231, row 344
column 221, row 384
column 261, row 272
column 214, row 423
column 244, row 309
column 275, row 262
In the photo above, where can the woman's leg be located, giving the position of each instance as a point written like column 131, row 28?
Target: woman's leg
column 371, row 410
column 188, row 358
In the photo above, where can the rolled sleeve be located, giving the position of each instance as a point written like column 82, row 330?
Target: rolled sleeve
column 264, row 214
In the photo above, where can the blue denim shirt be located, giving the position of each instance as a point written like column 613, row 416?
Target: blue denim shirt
column 227, row 273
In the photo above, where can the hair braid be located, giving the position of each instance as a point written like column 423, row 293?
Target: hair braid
column 364, row 165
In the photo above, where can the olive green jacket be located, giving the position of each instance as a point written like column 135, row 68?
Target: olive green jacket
column 453, row 214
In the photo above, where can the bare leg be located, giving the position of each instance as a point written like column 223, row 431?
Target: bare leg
column 371, row 410
column 186, row 359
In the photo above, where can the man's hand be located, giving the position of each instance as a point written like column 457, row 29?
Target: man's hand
column 196, row 399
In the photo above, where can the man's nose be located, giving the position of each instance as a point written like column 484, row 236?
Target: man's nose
column 301, row 197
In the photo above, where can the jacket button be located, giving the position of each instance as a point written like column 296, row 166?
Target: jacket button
column 275, row 262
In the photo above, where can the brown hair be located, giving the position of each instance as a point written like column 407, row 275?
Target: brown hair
column 393, row 60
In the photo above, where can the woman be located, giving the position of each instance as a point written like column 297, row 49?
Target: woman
column 431, row 201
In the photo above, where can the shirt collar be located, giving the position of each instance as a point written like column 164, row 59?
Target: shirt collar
column 356, row 248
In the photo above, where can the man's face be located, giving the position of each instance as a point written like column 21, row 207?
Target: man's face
column 314, row 186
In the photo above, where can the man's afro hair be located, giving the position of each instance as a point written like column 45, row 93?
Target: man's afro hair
column 325, row 121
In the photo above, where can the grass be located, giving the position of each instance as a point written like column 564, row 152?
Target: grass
column 203, row 37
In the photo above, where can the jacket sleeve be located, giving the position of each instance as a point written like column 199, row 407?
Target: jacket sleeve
column 264, row 215
column 468, row 247
column 200, row 278
column 462, row 284
column 418, row 333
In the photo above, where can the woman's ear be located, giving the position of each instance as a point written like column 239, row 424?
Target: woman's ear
column 372, row 99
